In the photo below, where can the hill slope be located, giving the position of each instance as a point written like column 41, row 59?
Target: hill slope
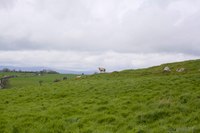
column 191, row 66
column 145, row 100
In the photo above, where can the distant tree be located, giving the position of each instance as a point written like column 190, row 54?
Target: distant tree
column 52, row 72
column 48, row 72
column 6, row 70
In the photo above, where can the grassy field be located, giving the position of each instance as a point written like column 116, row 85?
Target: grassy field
column 30, row 79
column 131, row 101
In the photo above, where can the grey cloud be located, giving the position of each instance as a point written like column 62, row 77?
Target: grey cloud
column 139, row 26
column 7, row 4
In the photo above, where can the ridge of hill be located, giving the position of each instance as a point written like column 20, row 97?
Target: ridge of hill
column 191, row 66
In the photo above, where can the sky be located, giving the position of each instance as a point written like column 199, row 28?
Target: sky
column 87, row 34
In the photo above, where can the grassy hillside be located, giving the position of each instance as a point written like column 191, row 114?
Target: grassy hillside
column 191, row 66
column 131, row 101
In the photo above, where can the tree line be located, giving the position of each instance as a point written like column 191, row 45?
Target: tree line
column 44, row 71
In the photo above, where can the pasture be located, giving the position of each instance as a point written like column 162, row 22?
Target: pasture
column 30, row 79
column 131, row 101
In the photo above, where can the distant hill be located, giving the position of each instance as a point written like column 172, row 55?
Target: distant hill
column 24, row 68
column 190, row 66
column 46, row 68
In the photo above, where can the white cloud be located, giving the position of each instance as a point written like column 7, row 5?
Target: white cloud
column 85, row 34
column 96, row 25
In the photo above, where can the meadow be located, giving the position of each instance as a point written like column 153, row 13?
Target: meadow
column 130, row 101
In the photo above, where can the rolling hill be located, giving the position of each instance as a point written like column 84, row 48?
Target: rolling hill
column 130, row 101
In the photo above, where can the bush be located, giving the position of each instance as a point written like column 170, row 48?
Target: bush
column 64, row 78
column 40, row 82
column 57, row 80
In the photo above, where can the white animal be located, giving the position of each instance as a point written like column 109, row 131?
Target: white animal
column 78, row 77
column 180, row 70
column 166, row 69
column 102, row 70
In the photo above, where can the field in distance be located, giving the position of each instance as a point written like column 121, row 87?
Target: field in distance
column 33, row 79
column 131, row 101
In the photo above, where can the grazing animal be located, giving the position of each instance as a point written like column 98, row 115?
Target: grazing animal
column 180, row 70
column 102, row 70
column 78, row 77
column 166, row 69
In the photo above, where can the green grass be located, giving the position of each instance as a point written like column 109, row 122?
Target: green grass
column 30, row 79
column 131, row 101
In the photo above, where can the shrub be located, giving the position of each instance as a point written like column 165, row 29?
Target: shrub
column 40, row 82
column 64, row 78
column 57, row 80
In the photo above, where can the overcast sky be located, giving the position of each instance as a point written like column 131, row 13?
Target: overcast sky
column 86, row 34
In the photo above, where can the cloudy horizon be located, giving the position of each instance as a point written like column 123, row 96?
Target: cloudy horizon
column 82, row 35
